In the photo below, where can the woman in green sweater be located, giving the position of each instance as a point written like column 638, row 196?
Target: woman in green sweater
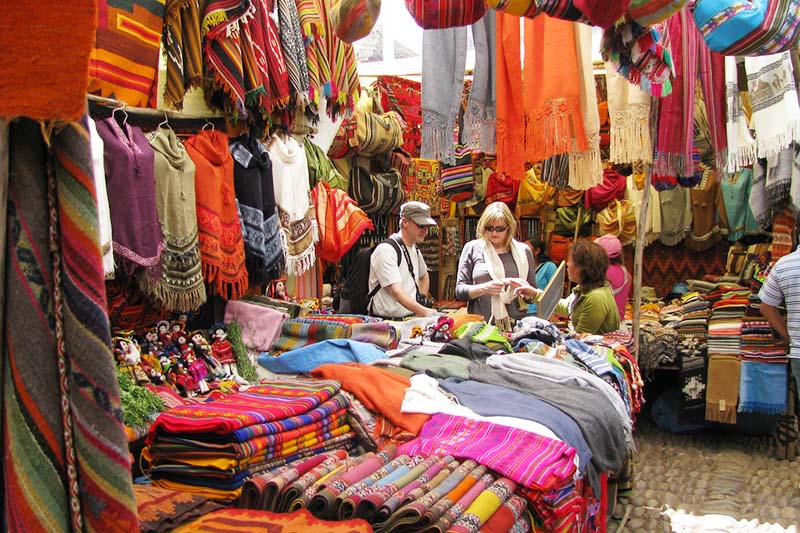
column 591, row 306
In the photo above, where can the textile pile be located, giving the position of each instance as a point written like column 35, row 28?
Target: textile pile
column 212, row 448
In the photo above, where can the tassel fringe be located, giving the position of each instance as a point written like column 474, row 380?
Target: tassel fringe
column 630, row 135
column 551, row 131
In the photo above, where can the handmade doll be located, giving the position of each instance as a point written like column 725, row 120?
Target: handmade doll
column 441, row 331
column 164, row 334
column 223, row 351
column 204, row 351
column 199, row 371
column 149, row 342
column 185, row 381
column 128, row 356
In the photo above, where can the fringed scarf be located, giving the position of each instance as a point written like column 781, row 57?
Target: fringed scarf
column 252, row 178
column 773, row 95
column 269, row 79
column 444, row 58
column 551, row 90
column 131, row 188
column 585, row 167
column 640, row 55
column 479, row 119
column 180, row 286
column 298, row 224
column 722, row 392
column 294, row 52
column 496, row 271
column 629, row 110
column 331, row 62
column 103, row 211
column 772, row 180
column 741, row 145
column 220, row 231
column 711, row 71
column 510, row 117
column 182, row 49
column 340, row 220
column 676, row 111
column 63, row 438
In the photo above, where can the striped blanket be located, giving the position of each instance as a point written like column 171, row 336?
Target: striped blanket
column 299, row 332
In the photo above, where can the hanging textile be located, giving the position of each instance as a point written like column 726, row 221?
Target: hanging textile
column 270, row 79
column 182, row 49
column 341, row 222
column 103, row 211
column 629, row 110
column 65, row 453
column 708, row 213
column 294, row 53
column 219, row 229
column 255, row 191
column 180, row 286
column 585, row 167
column 479, row 118
column 676, row 215
column 641, row 54
column 735, row 195
column 676, row 111
column 222, row 53
column 124, row 62
column 331, row 62
column 130, row 180
column 741, row 145
column 292, row 195
column 711, row 71
column 510, row 118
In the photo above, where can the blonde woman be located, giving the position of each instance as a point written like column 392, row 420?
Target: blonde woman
column 494, row 268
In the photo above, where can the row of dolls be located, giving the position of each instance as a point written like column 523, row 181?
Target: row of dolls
column 190, row 363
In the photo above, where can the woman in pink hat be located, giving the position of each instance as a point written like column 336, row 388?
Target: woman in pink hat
column 616, row 275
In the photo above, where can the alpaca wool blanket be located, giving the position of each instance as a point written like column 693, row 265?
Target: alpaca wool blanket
column 182, row 49
column 762, row 388
column 299, row 521
column 261, row 325
column 255, row 192
column 131, row 186
column 180, row 286
column 722, row 389
column 531, row 460
column 328, row 351
column 65, row 453
column 220, row 232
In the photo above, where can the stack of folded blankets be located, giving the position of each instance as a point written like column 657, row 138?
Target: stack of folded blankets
column 725, row 325
column 213, row 448
column 694, row 321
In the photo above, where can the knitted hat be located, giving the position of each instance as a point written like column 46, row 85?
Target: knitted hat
column 610, row 244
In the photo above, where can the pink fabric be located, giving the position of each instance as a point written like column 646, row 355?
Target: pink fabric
column 261, row 325
column 532, row 460
column 619, row 286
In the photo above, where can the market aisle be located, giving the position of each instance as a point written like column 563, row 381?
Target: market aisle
column 710, row 482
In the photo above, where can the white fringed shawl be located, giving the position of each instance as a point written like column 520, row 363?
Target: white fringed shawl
column 586, row 168
column 496, row 271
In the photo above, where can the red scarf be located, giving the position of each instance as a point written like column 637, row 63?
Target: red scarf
column 219, row 229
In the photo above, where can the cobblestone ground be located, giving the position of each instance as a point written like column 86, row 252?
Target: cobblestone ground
column 711, row 482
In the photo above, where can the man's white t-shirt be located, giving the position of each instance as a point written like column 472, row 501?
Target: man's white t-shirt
column 384, row 270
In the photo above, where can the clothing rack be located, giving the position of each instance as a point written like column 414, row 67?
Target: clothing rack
column 149, row 119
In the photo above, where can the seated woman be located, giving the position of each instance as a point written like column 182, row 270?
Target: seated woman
column 591, row 306
column 542, row 264
column 617, row 275
column 495, row 268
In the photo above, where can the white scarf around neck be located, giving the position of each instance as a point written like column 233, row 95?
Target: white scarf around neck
column 496, row 271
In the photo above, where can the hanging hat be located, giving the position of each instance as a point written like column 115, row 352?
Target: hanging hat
column 610, row 244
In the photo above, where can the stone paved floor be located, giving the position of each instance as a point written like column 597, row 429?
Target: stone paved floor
column 710, row 482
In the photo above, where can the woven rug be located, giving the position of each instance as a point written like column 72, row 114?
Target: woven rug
column 301, row 521
column 163, row 510
column 50, row 83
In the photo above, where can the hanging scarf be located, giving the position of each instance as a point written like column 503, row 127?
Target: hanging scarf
column 496, row 271
column 131, row 196
column 103, row 211
column 294, row 51
column 444, row 58
column 741, row 145
column 712, row 82
column 758, row 195
column 331, row 62
column 252, row 178
column 220, row 231
column 553, row 122
column 640, row 54
column 778, row 171
column 629, row 109
column 676, row 111
column 180, row 286
column 340, row 220
column 585, row 167
column 479, row 119
column 776, row 111
column 298, row 223
column 269, row 85
column 510, row 118
column 182, row 49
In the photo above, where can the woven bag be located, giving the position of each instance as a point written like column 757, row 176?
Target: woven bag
column 378, row 134
column 458, row 180
column 376, row 193
column 520, row 8
column 611, row 188
column 534, row 195
column 354, row 19
column 567, row 220
column 441, row 14
column 649, row 12
column 618, row 219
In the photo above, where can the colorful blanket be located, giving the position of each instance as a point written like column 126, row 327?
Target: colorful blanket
column 301, row 521
column 341, row 222
column 762, row 388
column 309, row 357
column 162, row 510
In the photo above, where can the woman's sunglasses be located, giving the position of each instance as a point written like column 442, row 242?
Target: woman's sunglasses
column 498, row 229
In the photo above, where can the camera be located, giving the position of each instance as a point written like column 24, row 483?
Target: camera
column 423, row 300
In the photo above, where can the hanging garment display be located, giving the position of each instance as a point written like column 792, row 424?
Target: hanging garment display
column 180, row 286
column 219, row 229
column 629, row 111
column 294, row 53
column 741, row 145
column 182, row 50
column 585, row 166
column 103, row 211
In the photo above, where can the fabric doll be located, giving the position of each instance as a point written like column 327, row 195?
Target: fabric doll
column 185, row 381
column 149, row 343
column 129, row 358
column 199, row 371
column 164, row 334
column 224, row 352
column 204, row 351
column 442, row 329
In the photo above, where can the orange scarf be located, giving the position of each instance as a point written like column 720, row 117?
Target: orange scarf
column 552, row 93
column 510, row 116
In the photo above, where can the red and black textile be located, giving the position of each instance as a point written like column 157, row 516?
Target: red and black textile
column 405, row 97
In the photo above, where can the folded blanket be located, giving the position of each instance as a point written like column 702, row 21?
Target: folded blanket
column 309, row 357
column 762, row 388
column 261, row 325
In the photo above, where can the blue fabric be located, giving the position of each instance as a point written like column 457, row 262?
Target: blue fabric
column 544, row 272
column 762, row 388
column 494, row 400
column 311, row 356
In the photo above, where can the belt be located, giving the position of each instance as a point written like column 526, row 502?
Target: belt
column 394, row 318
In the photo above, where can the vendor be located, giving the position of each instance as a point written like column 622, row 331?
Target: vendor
column 591, row 306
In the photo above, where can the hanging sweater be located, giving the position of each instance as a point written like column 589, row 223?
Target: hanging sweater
column 219, row 229
column 131, row 186
column 180, row 286
column 735, row 192
column 293, row 196
column 103, row 211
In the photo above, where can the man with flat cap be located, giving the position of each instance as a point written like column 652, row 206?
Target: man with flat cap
column 403, row 286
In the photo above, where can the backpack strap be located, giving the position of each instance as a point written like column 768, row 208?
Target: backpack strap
column 378, row 287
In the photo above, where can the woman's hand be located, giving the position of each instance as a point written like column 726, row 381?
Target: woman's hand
column 523, row 288
column 491, row 288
